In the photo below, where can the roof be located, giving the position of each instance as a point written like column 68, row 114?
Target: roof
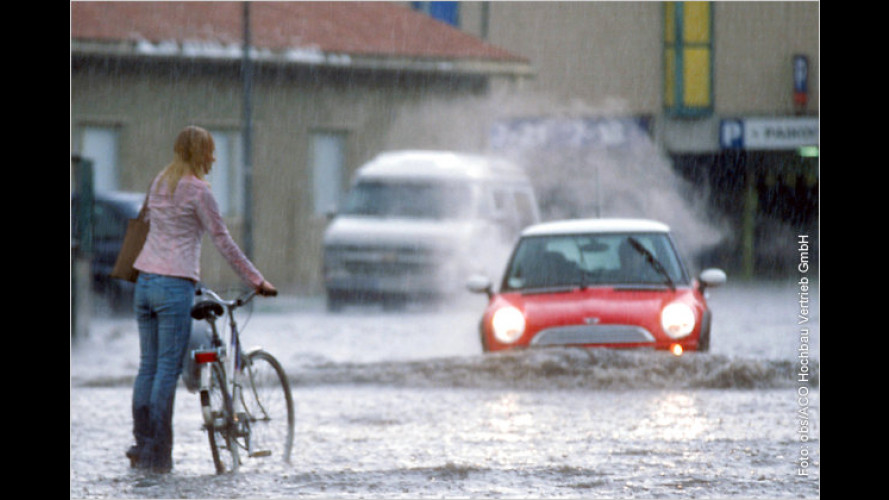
column 440, row 164
column 585, row 226
column 345, row 34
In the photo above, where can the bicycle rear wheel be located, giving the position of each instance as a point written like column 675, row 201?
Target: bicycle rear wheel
column 221, row 430
column 268, row 404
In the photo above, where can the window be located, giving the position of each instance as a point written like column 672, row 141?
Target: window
column 501, row 203
column 327, row 158
column 593, row 259
column 410, row 199
column 100, row 145
column 108, row 223
column 688, row 58
column 227, row 175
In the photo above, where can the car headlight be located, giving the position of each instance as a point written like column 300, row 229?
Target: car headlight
column 508, row 324
column 678, row 320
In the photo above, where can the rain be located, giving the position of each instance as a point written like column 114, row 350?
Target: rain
column 403, row 402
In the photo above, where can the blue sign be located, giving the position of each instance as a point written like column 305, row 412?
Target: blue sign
column 767, row 133
column 731, row 134
column 800, row 74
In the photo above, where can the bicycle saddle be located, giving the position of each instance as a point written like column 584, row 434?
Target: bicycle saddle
column 206, row 309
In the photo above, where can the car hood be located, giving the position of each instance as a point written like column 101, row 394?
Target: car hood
column 598, row 305
column 366, row 231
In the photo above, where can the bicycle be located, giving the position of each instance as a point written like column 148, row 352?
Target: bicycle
column 246, row 402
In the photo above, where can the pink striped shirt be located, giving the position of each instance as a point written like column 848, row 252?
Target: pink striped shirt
column 173, row 246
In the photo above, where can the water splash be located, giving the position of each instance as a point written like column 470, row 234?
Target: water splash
column 564, row 368
column 584, row 160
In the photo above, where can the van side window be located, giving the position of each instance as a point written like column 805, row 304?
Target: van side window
column 501, row 203
column 106, row 223
column 524, row 209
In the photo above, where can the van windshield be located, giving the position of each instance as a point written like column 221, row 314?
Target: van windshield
column 410, row 199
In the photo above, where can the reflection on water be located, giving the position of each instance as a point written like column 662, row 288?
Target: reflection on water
column 673, row 416
column 397, row 442
column 508, row 417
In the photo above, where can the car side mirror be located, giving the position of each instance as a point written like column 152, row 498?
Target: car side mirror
column 480, row 284
column 712, row 277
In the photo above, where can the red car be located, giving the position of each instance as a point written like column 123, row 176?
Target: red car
column 616, row 283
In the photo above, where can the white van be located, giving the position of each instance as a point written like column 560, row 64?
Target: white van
column 417, row 224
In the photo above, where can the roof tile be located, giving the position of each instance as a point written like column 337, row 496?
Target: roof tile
column 382, row 29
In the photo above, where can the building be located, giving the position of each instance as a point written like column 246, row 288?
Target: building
column 328, row 80
column 729, row 91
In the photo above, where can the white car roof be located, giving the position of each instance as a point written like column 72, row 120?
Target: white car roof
column 582, row 226
column 424, row 164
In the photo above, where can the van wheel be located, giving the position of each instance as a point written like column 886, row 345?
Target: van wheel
column 336, row 301
column 394, row 302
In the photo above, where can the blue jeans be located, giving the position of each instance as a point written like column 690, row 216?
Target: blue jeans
column 162, row 305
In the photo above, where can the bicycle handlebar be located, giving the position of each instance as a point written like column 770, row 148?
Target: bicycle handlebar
column 231, row 304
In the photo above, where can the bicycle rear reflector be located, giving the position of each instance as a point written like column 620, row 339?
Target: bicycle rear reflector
column 205, row 356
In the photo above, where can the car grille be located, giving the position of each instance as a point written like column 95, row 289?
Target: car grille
column 593, row 334
column 379, row 261
column 382, row 269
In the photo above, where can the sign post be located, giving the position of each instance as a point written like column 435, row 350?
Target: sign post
column 800, row 82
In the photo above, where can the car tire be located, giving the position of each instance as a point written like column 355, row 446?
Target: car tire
column 482, row 339
column 704, row 340
column 336, row 301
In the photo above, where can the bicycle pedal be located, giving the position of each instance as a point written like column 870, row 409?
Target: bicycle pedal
column 261, row 453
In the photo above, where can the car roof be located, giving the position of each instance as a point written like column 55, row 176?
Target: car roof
column 582, row 226
column 120, row 196
column 438, row 164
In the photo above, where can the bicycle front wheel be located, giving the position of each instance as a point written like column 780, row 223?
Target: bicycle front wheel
column 268, row 404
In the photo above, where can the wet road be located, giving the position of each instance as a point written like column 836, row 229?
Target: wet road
column 405, row 406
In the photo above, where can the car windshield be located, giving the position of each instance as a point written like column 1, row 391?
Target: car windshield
column 593, row 259
column 410, row 199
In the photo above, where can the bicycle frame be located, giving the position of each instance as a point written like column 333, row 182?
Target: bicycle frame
column 231, row 361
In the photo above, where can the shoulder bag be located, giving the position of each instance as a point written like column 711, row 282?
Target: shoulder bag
column 133, row 240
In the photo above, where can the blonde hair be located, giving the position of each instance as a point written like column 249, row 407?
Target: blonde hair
column 193, row 154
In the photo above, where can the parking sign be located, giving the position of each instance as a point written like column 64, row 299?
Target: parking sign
column 731, row 134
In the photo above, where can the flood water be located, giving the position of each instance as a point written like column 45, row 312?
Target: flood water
column 405, row 405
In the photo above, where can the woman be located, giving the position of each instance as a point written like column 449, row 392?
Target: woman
column 181, row 208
